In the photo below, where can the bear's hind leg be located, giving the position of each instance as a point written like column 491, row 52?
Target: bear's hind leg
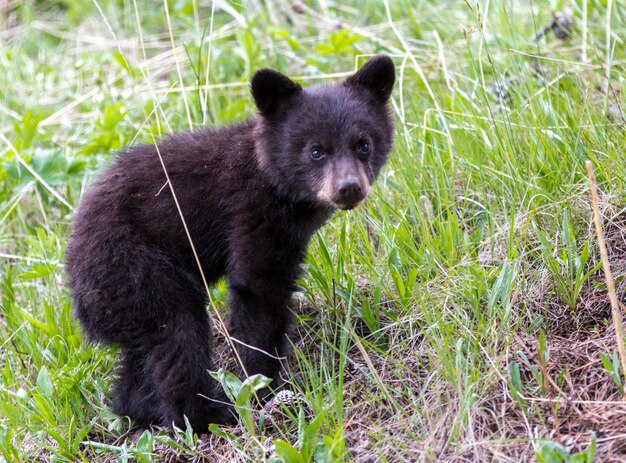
column 134, row 393
column 180, row 366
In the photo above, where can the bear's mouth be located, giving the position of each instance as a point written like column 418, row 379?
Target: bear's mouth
column 348, row 206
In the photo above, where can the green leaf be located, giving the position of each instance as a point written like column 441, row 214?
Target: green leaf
column 38, row 271
column 167, row 440
column 230, row 383
column 44, row 382
column 287, row 452
column 321, row 453
column 516, row 380
column 217, row 431
column 544, row 351
column 144, row 447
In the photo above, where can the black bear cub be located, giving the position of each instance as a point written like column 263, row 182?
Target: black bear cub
column 251, row 195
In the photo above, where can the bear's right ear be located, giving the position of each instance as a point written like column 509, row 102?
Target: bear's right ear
column 269, row 88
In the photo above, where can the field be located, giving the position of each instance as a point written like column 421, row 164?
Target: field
column 460, row 314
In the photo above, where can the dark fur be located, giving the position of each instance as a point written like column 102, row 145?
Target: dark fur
column 249, row 194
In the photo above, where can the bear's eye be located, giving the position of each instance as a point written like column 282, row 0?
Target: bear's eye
column 317, row 153
column 363, row 146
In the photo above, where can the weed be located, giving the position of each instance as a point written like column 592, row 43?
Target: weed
column 567, row 267
column 556, row 453
column 612, row 367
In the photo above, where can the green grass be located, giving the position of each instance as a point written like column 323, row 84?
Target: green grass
column 449, row 318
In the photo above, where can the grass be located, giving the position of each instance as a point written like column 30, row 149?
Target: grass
column 459, row 315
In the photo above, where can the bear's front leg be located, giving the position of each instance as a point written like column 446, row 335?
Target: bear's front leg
column 262, row 272
column 259, row 322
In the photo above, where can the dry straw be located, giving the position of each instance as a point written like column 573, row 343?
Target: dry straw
column 615, row 306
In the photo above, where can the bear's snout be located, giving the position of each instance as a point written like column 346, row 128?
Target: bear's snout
column 349, row 193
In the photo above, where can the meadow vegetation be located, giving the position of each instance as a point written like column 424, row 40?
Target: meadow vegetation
column 461, row 314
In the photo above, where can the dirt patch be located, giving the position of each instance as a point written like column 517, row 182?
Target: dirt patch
column 577, row 400
column 570, row 396
column 593, row 309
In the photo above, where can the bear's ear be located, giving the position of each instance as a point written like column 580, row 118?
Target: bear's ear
column 377, row 75
column 269, row 88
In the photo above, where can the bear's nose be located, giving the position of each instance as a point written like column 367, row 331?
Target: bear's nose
column 349, row 191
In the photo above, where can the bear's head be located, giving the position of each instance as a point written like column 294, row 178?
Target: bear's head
column 325, row 144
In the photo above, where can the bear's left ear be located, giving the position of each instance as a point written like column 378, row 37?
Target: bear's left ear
column 269, row 88
column 377, row 75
